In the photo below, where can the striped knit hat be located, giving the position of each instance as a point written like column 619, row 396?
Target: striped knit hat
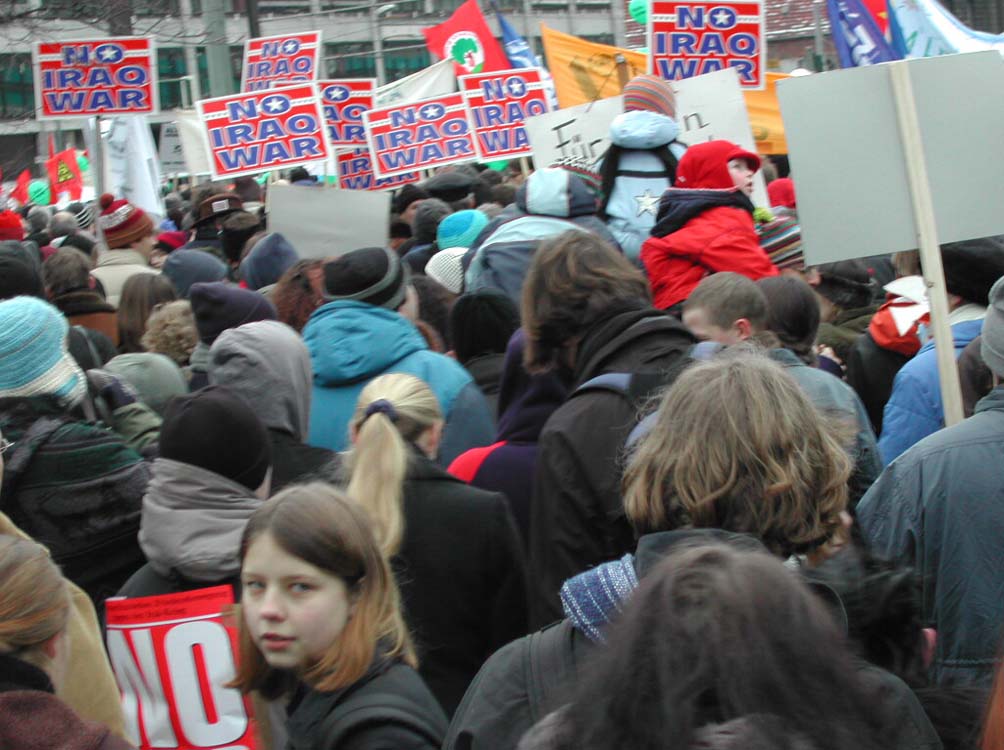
column 650, row 93
column 582, row 168
column 121, row 222
column 34, row 360
column 781, row 239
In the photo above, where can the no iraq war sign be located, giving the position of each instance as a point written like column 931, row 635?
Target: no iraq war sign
column 688, row 39
column 355, row 172
column 497, row 104
column 344, row 102
column 273, row 61
column 111, row 76
column 264, row 130
column 420, row 135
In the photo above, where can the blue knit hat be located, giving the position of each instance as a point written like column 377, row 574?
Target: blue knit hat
column 186, row 267
column 267, row 261
column 34, row 360
column 460, row 229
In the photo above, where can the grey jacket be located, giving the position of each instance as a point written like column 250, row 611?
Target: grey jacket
column 940, row 507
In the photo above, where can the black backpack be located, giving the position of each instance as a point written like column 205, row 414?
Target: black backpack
column 610, row 170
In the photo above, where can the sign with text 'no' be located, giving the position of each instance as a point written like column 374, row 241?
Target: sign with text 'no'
column 690, row 38
column 419, row 135
column 497, row 104
column 112, row 76
column 173, row 656
column 344, row 101
column 355, row 172
column 264, row 130
column 272, row 61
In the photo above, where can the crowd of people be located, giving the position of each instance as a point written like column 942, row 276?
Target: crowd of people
column 582, row 458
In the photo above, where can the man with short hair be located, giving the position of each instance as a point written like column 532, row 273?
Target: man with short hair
column 938, row 507
column 726, row 308
column 63, row 225
column 68, row 284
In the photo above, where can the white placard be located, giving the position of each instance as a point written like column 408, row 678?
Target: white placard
column 321, row 222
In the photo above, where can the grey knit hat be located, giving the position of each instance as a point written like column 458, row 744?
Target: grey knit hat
column 374, row 275
column 992, row 338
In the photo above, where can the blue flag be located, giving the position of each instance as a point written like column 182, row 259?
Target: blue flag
column 516, row 49
column 856, row 35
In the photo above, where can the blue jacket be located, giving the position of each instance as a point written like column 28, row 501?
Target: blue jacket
column 352, row 342
column 938, row 507
column 914, row 409
column 641, row 179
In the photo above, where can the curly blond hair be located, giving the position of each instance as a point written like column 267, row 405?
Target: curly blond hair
column 170, row 330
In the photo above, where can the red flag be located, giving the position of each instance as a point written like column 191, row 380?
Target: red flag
column 466, row 38
column 20, row 191
column 64, row 174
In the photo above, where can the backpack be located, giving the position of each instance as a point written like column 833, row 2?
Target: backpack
column 638, row 388
column 610, row 170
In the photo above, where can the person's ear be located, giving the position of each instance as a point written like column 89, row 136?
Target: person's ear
column 743, row 327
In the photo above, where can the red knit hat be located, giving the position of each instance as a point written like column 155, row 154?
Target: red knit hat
column 706, row 165
column 11, row 227
column 122, row 222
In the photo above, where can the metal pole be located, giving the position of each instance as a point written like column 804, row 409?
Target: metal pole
column 817, row 23
column 254, row 28
column 221, row 80
column 381, row 72
column 98, row 169
column 191, row 54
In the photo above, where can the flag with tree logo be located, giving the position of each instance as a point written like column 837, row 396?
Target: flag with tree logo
column 466, row 39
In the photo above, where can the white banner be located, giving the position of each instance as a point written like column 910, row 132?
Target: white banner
column 132, row 169
column 321, row 222
column 436, row 80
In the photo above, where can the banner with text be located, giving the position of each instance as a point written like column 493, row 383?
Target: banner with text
column 497, row 104
column 111, row 76
column 173, row 656
column 344, row 101
column 688, row 38
column 582, row 131
column 272, row 61
column 264, row 130
column 355, row 172
column 421, row 135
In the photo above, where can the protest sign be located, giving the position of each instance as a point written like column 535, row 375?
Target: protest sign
column 273, row 61
column 344, row 101
column 131, row 167
column 355, row 172
column 110, row 76
column 497, row 104
column 170, row 151
column 259, row 131
column 194, row 143
column 919, row 177
column 688, row 38
column 582, row 131
column 173, row 656
column 419, row 135
column 320, row 222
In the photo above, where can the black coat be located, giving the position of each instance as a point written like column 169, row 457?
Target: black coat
column 871, row 371
column 294, row 462
column 389, row 708
column 148, row 582
column 576, row 516
column 460, row 571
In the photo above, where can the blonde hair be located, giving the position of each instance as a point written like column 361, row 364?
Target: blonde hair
column 392, row 411
column 737, row 445
column 321, row 526
column 34, row 599
column 171, row 330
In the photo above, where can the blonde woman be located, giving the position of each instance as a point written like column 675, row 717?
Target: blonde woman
column 35, row 610
column 454, row 549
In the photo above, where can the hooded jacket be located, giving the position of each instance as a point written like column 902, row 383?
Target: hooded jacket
column 914, row 409
column 352, row 342
column 190, row 529
column 938, row 508
column 577, row 516
column 550, row 202
column 641, row 175
column 268, row 364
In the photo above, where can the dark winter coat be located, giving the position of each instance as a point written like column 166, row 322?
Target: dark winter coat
column 89, row 309
column 502, row 703
column 76, row 488
column 312, row 714
column 33, row 718
column 486, row 370
column 843, row 331
column 940, row 508
column 870, row 370
column 700, row 232
column 460, row 571
column 577, row 517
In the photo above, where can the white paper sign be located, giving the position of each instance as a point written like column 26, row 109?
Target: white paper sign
column 582, row 131
column 194, row 145
column 172, row 157
column 321, row 221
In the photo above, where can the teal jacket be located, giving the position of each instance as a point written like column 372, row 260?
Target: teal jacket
column 352, row 342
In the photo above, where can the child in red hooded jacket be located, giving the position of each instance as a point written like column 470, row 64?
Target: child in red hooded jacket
column 705, row 223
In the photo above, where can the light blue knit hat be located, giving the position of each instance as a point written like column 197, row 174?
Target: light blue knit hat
column 460, row 229
column 34, row 360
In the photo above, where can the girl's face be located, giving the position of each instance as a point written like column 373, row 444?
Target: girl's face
column 293, row 610
column 742, row 175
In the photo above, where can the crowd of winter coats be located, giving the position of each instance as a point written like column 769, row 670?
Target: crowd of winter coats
column 584, row 458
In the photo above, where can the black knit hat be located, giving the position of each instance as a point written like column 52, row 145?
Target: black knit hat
column 450, row 186
column 19, row 276
column 373, row 275
column 217, row 306
column 217, row 430
column 408, row 195
column 482, row 322
column 972, row 267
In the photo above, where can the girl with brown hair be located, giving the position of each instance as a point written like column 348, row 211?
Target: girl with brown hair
column 321, row 624
column 34, row 656
column 141, row 293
